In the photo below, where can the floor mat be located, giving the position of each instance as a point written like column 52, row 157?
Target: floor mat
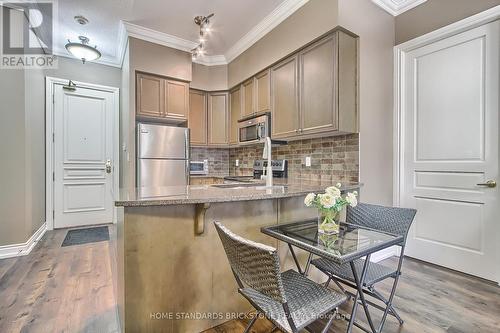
column 87, row 235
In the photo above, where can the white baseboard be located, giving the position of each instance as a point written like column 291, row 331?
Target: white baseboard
column 385, row 254
column 22, row 249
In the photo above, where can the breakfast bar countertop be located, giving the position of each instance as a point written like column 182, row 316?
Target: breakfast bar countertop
column 196, row 194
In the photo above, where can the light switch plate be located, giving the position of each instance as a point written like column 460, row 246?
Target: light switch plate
column 237, row 163
column 308, row 161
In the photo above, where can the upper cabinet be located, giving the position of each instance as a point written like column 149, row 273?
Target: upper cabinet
column 314, row 92
column 198, row 118
column 218, row 119
column 248, row 98
column 235, row 112
column 318, row 110
column 177, row 99
column 285, row 98
column 150, row 95
column 256, row 94
column 161, row 98
column 263, row 91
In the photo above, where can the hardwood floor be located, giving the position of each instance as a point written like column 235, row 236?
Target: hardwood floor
column 58, row 289
column 70, row 289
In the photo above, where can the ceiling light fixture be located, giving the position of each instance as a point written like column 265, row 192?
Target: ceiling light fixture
column 82, row 50
column 204, row 23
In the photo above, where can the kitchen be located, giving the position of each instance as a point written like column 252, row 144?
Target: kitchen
column 232, row 168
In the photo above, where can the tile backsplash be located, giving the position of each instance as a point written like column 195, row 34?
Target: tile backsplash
column 333, row 158
column 218, row 160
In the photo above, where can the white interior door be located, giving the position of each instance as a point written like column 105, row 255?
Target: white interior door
column 450, row 145
column 83, row 156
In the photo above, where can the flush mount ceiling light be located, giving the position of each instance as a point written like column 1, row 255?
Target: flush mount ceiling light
column 82, row 50
column 204, row 23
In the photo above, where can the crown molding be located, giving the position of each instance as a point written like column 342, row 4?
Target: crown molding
column 153, row 36
column 396, row 7
column 214, row 60
column 278, row 15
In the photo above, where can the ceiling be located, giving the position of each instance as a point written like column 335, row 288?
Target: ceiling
column 236, row 25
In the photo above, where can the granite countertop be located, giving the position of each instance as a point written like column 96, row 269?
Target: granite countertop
column 195, row 194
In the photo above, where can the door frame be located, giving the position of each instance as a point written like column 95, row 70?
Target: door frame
column 50, row 83
column 400, row 111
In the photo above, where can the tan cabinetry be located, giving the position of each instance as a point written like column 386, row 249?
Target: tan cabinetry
column 263, row 92
column 248, row 98
column 218, row 119
column 284, row 98
column 158, row 97
column 177, row 99
column 150, row 95
column 198, row 117
column 235, row 112
column 314, row 92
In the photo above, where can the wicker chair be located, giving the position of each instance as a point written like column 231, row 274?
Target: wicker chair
column 289, row 300
column 387, row 219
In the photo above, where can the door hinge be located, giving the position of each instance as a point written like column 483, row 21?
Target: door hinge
column 53, row 137
column 53, row 214
column 53, row 176
column 53, row 99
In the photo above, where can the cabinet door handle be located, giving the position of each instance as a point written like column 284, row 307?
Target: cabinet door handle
column 489, row 183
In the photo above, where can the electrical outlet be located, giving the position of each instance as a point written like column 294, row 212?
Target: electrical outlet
column 308, row 161
column 237, row 163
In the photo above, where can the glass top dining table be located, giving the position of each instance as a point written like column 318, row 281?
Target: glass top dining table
column 351, row 243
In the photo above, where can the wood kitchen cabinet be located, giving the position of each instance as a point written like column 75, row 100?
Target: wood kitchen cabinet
column 177, row 99
column 218, row 119
column 234, row 115
column 150, row 95
column 284, row 98
column 256, row 94
column 198, row 118
column 157, row 97
column 314, row 92
column 247, row 108
column 263, row 91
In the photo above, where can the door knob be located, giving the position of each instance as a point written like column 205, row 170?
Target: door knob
column 489, row 183
column 108, row 166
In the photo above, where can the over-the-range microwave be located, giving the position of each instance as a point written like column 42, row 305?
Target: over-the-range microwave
column 254, row 130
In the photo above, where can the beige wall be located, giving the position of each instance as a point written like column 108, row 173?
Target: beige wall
column 311, row 21
column 375, row 28
column 435, row 14
column 209, row 78
column 12, row 167
column 158, row 59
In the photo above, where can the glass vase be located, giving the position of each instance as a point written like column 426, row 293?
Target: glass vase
column 328, row 223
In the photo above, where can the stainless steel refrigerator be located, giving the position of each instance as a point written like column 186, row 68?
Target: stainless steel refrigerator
column 162, row 155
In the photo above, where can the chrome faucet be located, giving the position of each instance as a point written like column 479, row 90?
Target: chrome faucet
column 268, row 171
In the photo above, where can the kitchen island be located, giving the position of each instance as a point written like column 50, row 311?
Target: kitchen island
column 173, row 275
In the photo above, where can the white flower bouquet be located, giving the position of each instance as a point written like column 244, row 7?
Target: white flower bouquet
column 329, row 205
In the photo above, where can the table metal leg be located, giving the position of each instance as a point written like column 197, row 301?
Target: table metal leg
column 359, row 281
column 295, row 258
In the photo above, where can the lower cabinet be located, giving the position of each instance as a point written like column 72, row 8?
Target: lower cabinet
column 218, row 119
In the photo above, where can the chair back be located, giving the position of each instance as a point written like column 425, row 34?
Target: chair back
column 393, row 220
column 256, row 265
